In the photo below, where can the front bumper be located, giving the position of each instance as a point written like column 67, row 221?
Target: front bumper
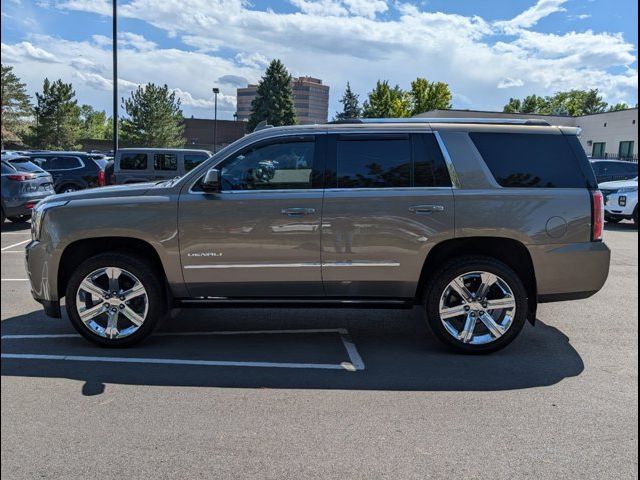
column 570, row 271
column 620, row 205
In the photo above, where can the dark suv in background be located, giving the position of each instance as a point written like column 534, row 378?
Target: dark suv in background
column 72, row 171
column 23, row 186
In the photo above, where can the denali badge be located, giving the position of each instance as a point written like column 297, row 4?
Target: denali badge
column 205, row 254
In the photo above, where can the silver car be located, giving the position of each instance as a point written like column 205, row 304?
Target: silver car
column 24, row 184
column 476, row 222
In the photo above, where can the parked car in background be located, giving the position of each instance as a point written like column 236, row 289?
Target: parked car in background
column 620, row 200
column 72, row 171
column 474, row 222
column 24, row 184
column 136, row 165
column 611, row 170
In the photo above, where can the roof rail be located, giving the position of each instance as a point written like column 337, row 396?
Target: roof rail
column 488, row 121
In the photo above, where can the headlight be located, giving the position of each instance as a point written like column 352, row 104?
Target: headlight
column 37, row 216
column 628, row 189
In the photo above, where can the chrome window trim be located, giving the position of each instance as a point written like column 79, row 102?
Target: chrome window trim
column 385, row 189
column 455, row 180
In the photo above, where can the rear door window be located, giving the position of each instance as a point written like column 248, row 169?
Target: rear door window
column 165, row 161
column 7, row 169
column 523, row 160
column 388, row 161
column 25, row 165
column 133, row 161
column 64, row 163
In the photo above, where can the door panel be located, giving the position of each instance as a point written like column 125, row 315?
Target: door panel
column 391, row 203
column 260, row 237
column 374, row 242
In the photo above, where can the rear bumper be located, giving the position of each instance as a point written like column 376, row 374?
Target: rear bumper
column 22, row 205
column 570, row 271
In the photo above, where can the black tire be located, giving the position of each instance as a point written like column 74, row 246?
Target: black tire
column 3, row 217
column 20, row 218
column 67, row 188
column 635, row 217
column 459, row 266
column 612, row 219
column 147, row 276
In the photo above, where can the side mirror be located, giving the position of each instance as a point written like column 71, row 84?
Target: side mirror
column 211, row 181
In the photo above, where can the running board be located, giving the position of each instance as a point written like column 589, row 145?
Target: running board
column 224, row 302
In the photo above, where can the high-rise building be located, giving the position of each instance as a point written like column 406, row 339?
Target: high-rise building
column 310, row 98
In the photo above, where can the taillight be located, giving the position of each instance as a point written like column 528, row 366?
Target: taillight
column 101, row 179
column 21, row 177
column 597, row 215
column 30, row 205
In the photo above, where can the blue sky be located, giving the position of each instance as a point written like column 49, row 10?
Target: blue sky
column 487, row 50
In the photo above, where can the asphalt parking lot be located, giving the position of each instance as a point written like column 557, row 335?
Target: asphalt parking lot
column 357, row 394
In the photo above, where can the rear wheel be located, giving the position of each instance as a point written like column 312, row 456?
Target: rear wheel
column 476, row 305
column 115, row 300
column 67, row 188
column 635, row 217
column 19, row 218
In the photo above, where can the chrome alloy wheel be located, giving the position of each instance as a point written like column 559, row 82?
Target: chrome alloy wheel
column 477, row 307
column 112, row 302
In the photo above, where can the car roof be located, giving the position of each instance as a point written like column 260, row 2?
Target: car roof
column 148, row 149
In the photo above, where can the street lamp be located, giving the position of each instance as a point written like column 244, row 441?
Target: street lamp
column 115, row 77
column 216, row 91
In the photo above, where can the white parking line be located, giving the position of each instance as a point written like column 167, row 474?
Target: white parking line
column 17, row 233
column 15, row 245
column 355, row 362
column 13, row 251
column 15, row 279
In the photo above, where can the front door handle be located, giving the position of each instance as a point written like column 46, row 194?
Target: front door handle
column 297, row 211
column 426, row 209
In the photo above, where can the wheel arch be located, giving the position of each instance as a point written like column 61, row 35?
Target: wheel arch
column 511, row 252
column 77, row 252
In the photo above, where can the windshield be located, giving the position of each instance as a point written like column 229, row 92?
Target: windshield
column 25, row 165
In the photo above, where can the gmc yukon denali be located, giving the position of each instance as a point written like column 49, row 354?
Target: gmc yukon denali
column 476, row 222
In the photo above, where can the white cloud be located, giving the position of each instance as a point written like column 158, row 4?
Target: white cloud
column 27, row 50
column 532, row 15
column 345, row 40
column 509, row 82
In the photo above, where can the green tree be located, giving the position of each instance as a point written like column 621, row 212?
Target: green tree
column 618, row 106
column 15, row 106
column 513, row 106
column 351, row 105
column 94, row 123
column 426, row 96
column 154, row 118
column 386, row 102
column 570, row 102
column 274, row 99
column 57, row 117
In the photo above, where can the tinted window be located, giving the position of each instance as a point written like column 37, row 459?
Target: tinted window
column 101, row 162
column 430, row 169
column 133, row 161
column 520, row 160
column 285, row 165
column 373, row 163
column 192, row 160
column 63, row 163
column 7, row 169
column 25, row 165
column 621, row 168
column 165, row 161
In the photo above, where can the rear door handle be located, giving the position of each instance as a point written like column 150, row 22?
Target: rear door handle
column 297, row 211
column 426, row 209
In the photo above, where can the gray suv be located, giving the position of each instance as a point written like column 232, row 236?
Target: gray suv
column 474, row 221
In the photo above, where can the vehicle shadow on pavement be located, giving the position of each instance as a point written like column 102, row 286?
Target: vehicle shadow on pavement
column 16, row 227
column 398, row 353
column 620, row 227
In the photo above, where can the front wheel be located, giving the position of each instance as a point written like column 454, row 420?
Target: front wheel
column 609, row 219
column 476, row 305
column 115, row 300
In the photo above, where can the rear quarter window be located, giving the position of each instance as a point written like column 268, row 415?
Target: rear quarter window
column 524, row 160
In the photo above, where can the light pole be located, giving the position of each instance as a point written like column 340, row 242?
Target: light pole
column 216, row 91
column 115, row 76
